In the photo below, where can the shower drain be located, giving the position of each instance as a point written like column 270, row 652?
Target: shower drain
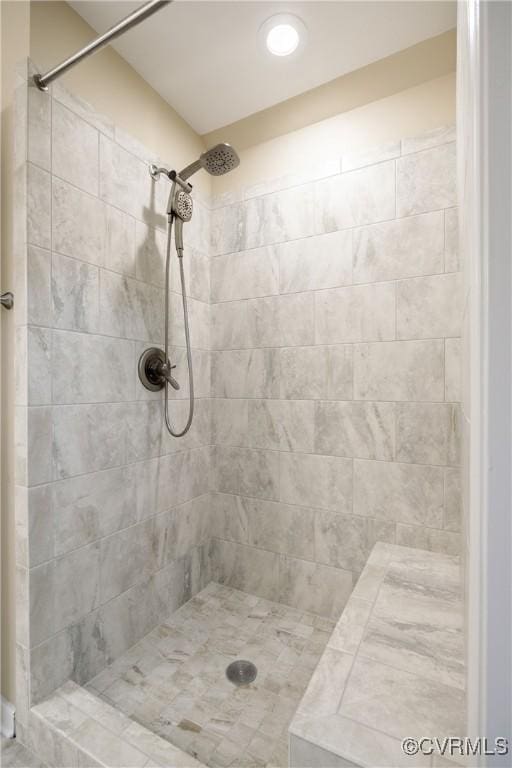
column 241, row 672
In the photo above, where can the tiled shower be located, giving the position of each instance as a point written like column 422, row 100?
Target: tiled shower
column 325, row 319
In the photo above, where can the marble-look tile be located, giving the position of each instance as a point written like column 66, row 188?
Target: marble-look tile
column 79, row 362
column 259, row 474
column 323, row 261
column 120, row 253
column 230, row 422
column 286, row 425
column 451, row 241
column 399, row 370
column 88, row 507
column 452, row 500
column 355, row 429
column 323, row 695
column 429, row 307
column 453, row 370
column 75, row 294
column 428, row 433
column 279, row 527
column 343, row 541
column 313, row 587
column 359, row 313
column 39, row 127
column 245, row 373
column 429, row 139
column 120, row 176
column 74, row 149
column 246, row 568
column 62, row 591
column 316, row 481
column 78, row 223
column 35, row 518
column 33, row 366
column 101, row 429
column 296, row 319
column 245, row 275
column 126, row 557
column 129, row 308
column 33, row 427
column 426, row 181
column 349, row 630
column 402, row 248
column 114, row 750
column 278, row 217
column 315, row 372
column 229, row 517
column 304, row 754
column 38, row 207
column 226, row 229
column 363, row 196
column 431, row 539
column 369, row 156
column 83, row 109
column 405, row 493
column 150, row 254
column 36, row 298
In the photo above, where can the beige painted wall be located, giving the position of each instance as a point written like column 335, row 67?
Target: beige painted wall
column 14, row 30
column 112, row 86
column 409, row 112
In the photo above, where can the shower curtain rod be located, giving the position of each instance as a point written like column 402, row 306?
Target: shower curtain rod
column 134, row 18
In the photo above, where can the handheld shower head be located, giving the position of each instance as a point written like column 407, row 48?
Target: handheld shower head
column 218, row 160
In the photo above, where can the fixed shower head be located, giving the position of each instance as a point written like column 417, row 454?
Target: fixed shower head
column 218, row 160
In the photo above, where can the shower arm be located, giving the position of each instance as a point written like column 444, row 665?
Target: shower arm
column 134, row 18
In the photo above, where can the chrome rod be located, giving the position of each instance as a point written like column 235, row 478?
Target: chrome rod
column 142, row 13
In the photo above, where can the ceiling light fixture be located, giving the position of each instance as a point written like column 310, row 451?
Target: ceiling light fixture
column 283, row 34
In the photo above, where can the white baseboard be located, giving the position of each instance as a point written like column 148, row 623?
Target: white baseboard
column 7, row 719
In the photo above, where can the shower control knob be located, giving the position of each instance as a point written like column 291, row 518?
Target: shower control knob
column 155, row 370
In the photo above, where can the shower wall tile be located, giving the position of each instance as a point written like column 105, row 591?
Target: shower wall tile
column 230, row 421
column 316, row 481
column 370, row 156
column 451, row 237
column 431, row 539
column 33, row 427
column 278, row 217
column 90, row 369
column 452, row 500
column 245, row 275
column 453, row 370
column 34, row 383
column 120, row 174
column 296, row 320
column 428, row 433
column 400, row 248
column 314, row 587
column 280, row 527
column 36, row 293
column 316, row 372
column 429, row 139
column 355, row 429
column 130, row 308
column 120, row 246
column 399, row 370
column 252, row 570
column 344, row 541
column 245, row 373
column 323, row 261
column 360, row 197
column 407, row 493
column 75, row 295
column 426, row 181
column 38, row 207
column 150, row 245
column 78, row 223
column 281, row 425
column 429, row 307
column 39, row 127
column 359, row 313
column 75, row 155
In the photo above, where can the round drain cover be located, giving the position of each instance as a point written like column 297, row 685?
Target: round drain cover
column 241, row 672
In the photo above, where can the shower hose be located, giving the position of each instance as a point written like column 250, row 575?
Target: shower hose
column 168, row 424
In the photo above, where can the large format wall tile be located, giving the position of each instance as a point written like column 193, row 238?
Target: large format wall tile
column 245, row 275
column 429, row 307
column 313, row 587
column 75, row 153
column 355, row 429
column 362, row 313
column 75, row 294
column 78, row 223
column 426, row 181
column 316, row 481
column 324, row 261
column 344, row 541
column 400, row 248
column 428, row 433
column 399, row 370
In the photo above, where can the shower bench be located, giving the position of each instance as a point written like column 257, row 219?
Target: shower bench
column 392, row 669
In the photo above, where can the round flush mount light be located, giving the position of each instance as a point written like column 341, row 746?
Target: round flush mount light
column 283, row 34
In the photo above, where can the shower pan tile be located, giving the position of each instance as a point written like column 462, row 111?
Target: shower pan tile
column 399, row 370
column 312, row 263
column 316, row 481
column 429, row 307
column 405, row 493
column 75, row 294
column 359, row 313
column 74, row 149
column 355, row 429
column 78, row 223
column 426, row 180
column 383, row 251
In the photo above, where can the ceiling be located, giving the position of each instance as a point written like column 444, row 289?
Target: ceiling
column 208, row 60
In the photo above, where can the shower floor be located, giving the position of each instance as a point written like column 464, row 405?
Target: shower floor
column 174, row 681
